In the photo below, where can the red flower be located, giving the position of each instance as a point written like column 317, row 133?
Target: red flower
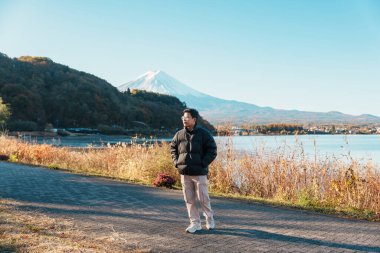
column 165, row 180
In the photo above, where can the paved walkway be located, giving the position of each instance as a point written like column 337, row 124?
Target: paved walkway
column 156, row 218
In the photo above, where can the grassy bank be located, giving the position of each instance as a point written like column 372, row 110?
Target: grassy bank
column 284, row 176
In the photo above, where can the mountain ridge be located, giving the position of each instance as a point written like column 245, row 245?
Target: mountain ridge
column 40, row 92
column 218, row 110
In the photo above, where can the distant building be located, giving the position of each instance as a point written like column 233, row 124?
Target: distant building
column 238, row 130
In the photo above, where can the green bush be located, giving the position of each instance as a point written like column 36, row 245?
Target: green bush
column 53, row 166
column 13, row 158
column 22, row 125
column 104, row 129
column 4, row 112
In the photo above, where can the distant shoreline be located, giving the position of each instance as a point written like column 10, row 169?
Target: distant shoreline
column 141, row 136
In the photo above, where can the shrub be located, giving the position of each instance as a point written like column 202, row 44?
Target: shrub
column 104, row 129
column 165, row 180
column 4, row 112
column 63, row 132
column 22, row 125
column 4, row 157
column 53, row 166
column 13, row 158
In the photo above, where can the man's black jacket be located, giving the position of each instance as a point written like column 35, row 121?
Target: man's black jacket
column 192, row 151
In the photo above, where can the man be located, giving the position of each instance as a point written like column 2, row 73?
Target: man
column 193, row 148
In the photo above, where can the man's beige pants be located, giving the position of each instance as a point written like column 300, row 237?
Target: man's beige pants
column 196, row 187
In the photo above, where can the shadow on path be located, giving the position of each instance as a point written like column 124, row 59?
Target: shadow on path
column 259, row 234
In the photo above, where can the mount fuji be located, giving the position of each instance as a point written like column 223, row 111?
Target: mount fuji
column 218, row 110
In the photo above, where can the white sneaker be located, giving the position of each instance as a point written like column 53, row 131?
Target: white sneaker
column 193, row 227
column 210, row 225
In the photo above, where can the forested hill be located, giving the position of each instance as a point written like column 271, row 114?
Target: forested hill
column 40, row 91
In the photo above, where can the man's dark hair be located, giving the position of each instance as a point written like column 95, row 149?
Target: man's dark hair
column 194, row 113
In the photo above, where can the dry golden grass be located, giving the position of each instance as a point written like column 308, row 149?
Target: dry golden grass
column 283, row 175
column 137, row 162
column 27, row 231
column 286, row 175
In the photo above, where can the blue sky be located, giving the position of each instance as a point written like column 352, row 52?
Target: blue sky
column 308, row 55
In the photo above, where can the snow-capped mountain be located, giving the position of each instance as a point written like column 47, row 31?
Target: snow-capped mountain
column 160, row 82
column 218, row 110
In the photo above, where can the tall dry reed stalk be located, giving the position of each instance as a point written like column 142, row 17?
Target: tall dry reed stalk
column 136, row 162
column 284, row 174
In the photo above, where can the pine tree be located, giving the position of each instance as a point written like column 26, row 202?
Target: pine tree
column 4, row 113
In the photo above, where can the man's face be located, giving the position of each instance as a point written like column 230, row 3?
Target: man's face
column 188, row 121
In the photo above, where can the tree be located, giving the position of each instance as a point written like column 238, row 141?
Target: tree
column 4, row 113
column 40, row 91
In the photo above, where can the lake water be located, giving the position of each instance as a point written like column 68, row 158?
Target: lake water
column 97, row 140
column 362, row 147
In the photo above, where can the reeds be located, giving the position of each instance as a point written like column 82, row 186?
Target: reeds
column 136, row 162
column 284, row 174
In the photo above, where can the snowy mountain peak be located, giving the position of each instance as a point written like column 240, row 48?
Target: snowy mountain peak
column 160, row 82
column 150, row 74
column 219, row 110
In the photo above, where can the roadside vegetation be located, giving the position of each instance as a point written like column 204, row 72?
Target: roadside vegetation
column 284, row 176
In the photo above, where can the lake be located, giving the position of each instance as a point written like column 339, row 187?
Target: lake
column 362, row 147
